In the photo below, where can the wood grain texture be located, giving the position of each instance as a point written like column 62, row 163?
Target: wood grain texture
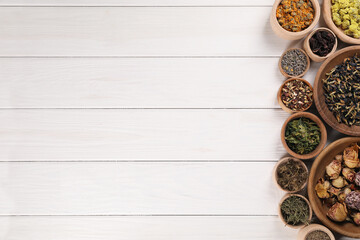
column 140, row 82
column 112, row 3
column 144, row 228
column 137, row 31
column 138, row 189
column 130, row 134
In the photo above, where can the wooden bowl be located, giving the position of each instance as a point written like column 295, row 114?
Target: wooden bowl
column 311, row 228
column 317, row 172
column 282, row 33
column 274, row 175
column 290, row 76
column 282, row 105
column 281, row 217
column 319, row 99
column 338, row 31
column 313, row 56
column 322, row 130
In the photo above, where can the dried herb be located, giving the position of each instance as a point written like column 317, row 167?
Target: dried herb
column 317, row 235
column 345, row 14
column 295, row 15
column 291, row 175
column 342, row 91
column 295, row 211
column 302, row 135
column 296, row 95
column 294, row 62
column 322, row 42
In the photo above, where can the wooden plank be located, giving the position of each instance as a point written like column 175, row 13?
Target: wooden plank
column 140, row 82
column 143, row 228
column 130, row 134
column 137, row 31
column 112, row 188
column 135, row 3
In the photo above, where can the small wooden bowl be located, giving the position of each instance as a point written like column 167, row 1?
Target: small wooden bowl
column 318, row 171
column 319, row 98
column 311, row 228
column 313, row 56
column 282, row 33
column 322, row 130
column 330, row 23
column 290, row 76
column 275, row 173
column 282, row 105
column 282, row 218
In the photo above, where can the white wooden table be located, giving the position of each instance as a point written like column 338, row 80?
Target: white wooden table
column 139, row 119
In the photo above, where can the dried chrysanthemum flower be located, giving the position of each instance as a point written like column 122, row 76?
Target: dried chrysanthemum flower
column 350, row 155
column 356, row 218
column 321, row 188
column 339, row 182
column 333, row 169
column 338, row 212
column 352, row 200
column 349, row 174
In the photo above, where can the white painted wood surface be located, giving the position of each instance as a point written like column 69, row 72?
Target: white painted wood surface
column 146, row 135
column 138, row 31
column 161, row 83
column 139, row 120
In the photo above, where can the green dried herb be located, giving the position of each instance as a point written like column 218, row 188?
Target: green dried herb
column 291, row 175
column 302, row 135
column 317, row 235
column 295, row 211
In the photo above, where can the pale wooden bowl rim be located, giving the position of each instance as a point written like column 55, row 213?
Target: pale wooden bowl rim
column 285, row 159
column 282, row 105
column 290, row 76
column 323, row 138
column 337, row 30
column 341, row 127
column 311, row 191
column 314, row 227
column 314, row 56
column 280, row 31
column 281, row 216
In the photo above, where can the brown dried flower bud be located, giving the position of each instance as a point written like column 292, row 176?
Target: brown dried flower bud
column 350, row 155
column 357, row 179
column 333, row 169
column 349, row 174
column 339, row 157
column 339, row 182
column 338, row 212
column 356, row 218
column 321, row 189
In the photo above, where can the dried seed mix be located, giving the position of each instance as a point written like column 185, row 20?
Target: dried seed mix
column 296, row 95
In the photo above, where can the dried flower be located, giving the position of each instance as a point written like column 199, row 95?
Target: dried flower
column 321, row 189
column 356, row 218
column 351, row 159
column 347, row 190
column 339, row 157
column 338, row 212
column 352, row 200
column 349, row 174
column 333, row 169
column 339, row 182
column 357, row 179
